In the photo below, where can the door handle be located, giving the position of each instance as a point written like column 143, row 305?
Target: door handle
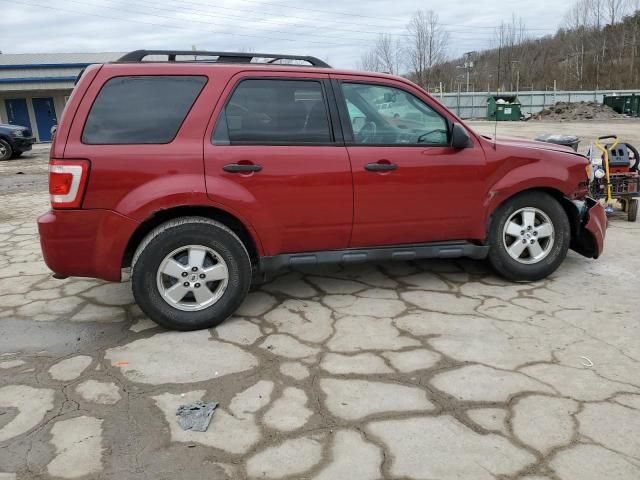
column 380, row 167
column 241, row 167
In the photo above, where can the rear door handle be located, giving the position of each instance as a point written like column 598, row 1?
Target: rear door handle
column 241, row 167
column 380, row 167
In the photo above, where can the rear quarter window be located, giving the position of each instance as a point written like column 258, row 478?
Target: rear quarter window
column 141, row 109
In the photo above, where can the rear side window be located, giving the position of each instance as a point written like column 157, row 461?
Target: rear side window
column 278, row 112
column 142, row 109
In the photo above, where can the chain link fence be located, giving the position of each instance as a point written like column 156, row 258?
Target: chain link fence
column 474, row 104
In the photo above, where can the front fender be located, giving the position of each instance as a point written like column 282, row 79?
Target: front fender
column 532, row 173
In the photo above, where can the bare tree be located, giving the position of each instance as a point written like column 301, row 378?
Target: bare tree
column 578, row 16
column 427, row 45
column 509, row 39
column 598, row 46
column 389, row 53
column 634, row 7
column 595, row 10
column 615, row 9
column 577, row 21
column 369, row 61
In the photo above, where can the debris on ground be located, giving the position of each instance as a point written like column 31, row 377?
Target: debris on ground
column 587, row 362
column 196, row 416
column 578, row 111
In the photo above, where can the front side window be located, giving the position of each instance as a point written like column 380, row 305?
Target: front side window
column 382, row 115
column 269, row 111
column 141, row 110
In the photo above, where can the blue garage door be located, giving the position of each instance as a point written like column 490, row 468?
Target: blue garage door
column 17, row 112
column 45, row 117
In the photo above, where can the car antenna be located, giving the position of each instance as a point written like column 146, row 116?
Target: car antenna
column 495, row 121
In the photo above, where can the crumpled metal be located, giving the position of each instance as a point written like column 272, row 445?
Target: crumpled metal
column 196, row 416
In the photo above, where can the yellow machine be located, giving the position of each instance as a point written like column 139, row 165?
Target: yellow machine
column 619, row 177
column 605, row 163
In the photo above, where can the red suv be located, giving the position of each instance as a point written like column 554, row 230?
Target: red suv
column 201, row 170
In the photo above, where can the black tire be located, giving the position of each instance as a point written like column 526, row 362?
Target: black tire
column 16, row 154
column 632, row 212
column 180, row 233
column 502, row 261
column 624, row 205
column 5, row 150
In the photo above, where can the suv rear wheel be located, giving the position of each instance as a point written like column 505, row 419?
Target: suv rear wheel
column 529, row 237
column 190, row 273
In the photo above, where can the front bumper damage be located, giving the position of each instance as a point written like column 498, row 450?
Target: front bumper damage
column 590, row 227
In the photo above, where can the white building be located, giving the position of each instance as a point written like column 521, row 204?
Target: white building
column 34, row 87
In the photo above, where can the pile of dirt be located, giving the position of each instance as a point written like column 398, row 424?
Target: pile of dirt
column 578, row 111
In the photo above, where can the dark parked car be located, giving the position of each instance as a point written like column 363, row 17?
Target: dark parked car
column 14, row 141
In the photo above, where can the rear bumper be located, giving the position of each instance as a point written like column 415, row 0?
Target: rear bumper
column 589, row 240
column 85, row 243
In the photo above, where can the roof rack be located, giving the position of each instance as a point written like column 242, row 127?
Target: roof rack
column 223, row 57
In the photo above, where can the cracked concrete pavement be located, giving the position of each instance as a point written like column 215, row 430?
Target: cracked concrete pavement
column 420, row 370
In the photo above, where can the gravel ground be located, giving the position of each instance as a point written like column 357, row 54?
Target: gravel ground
column 420, row 370
column 627, row 129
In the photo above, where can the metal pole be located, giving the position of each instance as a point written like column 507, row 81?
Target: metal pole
column 473, row 113
column 531, row 102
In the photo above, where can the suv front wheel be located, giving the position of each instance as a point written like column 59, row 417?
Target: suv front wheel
column 529, row 237
column 5, row 150
column 190, row 273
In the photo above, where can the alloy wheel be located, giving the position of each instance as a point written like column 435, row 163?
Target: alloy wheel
column 192, row 278
column 528, row 235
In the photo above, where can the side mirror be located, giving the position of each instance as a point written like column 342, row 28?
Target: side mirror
column 459, row 137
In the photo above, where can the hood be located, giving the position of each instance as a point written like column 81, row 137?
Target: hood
column 535, row 144
column 13, row 127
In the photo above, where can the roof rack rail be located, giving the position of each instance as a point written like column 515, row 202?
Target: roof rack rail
column 223, row 57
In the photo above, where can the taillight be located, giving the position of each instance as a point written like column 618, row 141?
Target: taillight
column 67, row 182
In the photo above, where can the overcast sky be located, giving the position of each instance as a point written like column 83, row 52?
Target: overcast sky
column 336, row 31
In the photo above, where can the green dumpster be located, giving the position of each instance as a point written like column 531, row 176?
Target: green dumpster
column 635, row 105
column 503, row 108
column 625, row 104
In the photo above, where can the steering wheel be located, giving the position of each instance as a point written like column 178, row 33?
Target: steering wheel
column 367, row 133
column 437, row 130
